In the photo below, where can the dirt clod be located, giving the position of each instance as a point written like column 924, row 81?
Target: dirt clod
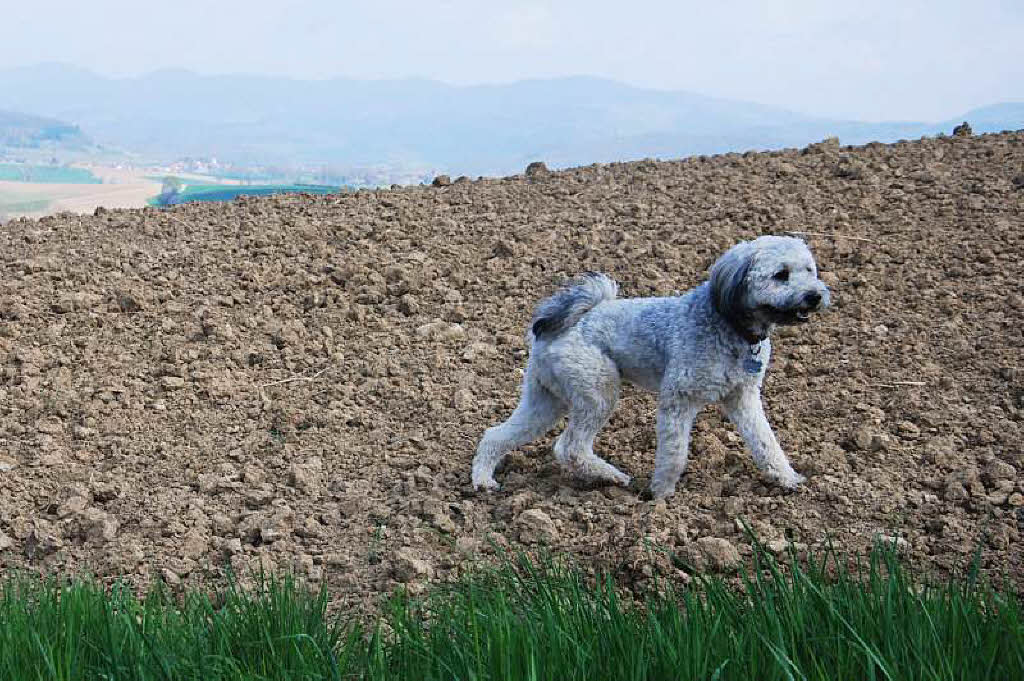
column 963, row 130
column 537, row 169
column 536, row 526
column 408, row 566
column 720, row 554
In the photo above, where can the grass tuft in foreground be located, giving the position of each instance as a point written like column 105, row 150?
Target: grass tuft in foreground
column 528, row 620
column 79, row 630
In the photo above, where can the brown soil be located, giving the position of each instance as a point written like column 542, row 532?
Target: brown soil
column 299, row 382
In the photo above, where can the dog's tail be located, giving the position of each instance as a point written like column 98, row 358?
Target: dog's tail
column 562, row 310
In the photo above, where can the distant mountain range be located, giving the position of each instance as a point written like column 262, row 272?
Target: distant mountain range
column 485, row 129
column 20, row 130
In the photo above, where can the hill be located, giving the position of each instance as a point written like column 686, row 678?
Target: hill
column 488, row 129
column 300, row 381
column 20, row 130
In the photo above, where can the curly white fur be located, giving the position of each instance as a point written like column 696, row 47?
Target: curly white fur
column 709, row 345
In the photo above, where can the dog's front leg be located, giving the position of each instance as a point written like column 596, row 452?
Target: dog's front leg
column 744, row 408
column 675, row 419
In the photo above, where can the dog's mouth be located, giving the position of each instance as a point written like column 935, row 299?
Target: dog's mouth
column 788, row 316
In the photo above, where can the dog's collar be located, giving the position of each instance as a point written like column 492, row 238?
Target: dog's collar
column 752, row 339
column 737, row 323
column 743, row 331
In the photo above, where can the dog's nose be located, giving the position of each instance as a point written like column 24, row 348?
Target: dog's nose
column 812, row 299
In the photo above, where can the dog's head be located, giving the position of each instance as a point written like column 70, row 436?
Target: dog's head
column 770, row 280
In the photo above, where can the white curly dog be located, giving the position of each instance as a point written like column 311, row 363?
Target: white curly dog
column 708, row 345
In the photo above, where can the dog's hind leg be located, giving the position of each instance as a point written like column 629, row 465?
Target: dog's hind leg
column 589, row 410
column 537, row 413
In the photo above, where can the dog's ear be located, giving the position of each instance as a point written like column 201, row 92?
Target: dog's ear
column 729, row 281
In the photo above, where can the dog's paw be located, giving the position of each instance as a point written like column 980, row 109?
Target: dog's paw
column 486, row 485
column 662, row 491
column 595, row 470
column 790, row 481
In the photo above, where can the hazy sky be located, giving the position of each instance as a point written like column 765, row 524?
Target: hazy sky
column 867, row 59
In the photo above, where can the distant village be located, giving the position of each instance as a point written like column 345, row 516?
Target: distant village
column 322, row 174
column 30, row 161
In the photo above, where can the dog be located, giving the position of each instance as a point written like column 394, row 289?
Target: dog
column 709, row 345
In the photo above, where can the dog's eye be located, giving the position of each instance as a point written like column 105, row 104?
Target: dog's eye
column 781, row 275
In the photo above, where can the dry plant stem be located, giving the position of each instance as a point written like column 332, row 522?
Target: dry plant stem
column 291, row 379
column 832, row 236
column 897, row 384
